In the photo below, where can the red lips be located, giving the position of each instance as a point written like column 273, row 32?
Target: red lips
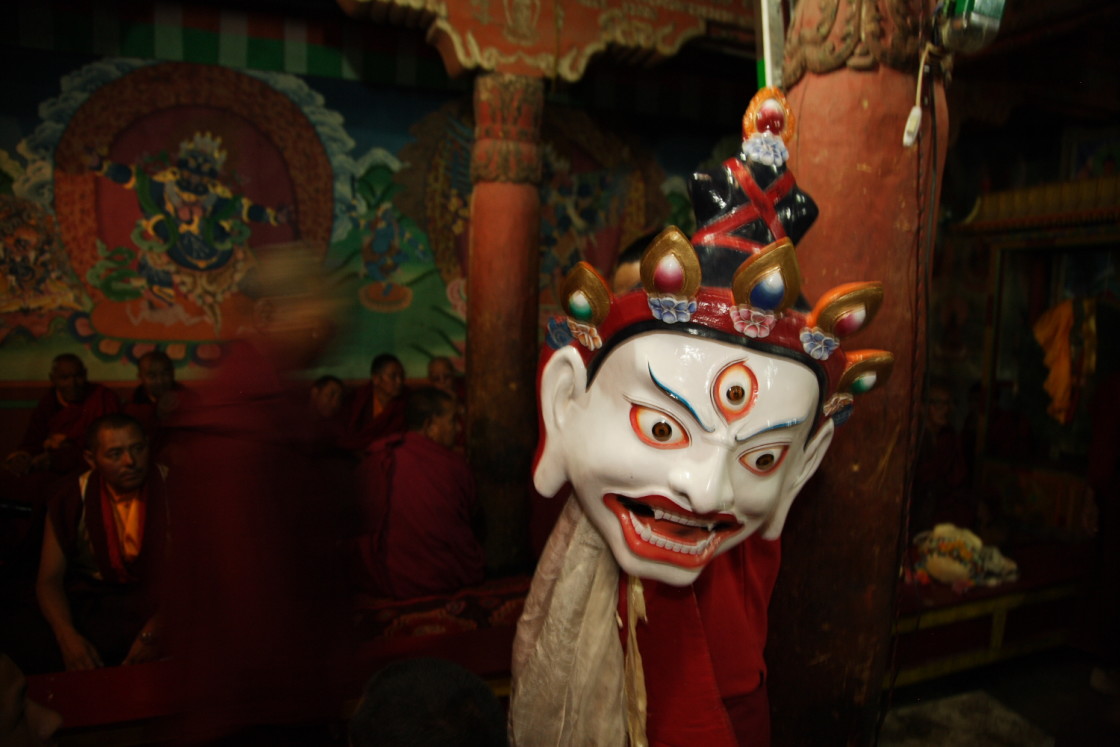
column 658, row 529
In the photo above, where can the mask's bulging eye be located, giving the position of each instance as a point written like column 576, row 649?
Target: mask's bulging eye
column 764, row 459
column 658, row 429
column 735, row 390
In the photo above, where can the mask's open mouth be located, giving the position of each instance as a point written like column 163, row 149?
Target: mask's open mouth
column 657, row 529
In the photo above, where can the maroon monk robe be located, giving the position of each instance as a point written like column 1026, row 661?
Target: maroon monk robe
column 52, row 416
column 66, row 511
column 140, row 406
column 258, row 607
column 702, row 651
column 362, row 428
column 420, row 499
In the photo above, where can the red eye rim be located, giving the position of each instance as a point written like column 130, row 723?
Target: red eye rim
column 731, row 415
column 635, row 414
column 743, row 458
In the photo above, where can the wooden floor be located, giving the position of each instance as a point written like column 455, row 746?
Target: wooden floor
column 1049, row 689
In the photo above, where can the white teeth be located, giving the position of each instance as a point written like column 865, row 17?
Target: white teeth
column 679, row 519
column 657, row 540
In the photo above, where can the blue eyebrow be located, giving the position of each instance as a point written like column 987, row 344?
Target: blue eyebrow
column 679, row 399
column 776, row 426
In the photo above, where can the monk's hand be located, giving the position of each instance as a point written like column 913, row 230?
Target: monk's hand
column 144, row 648
column 18, row 462
column 54, row 441
column 78, row 653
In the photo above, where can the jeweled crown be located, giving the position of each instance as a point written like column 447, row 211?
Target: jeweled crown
column 738, row 279
column 204, row 147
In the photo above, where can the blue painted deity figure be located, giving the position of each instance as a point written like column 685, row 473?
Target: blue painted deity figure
column 195, row 230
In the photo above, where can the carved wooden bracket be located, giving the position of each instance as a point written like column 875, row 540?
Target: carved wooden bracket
column 825, row 35
column 553, row 38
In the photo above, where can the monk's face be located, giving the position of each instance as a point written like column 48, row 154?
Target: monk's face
column 441, row 374
column 68, row 377
column 388, row 382
column 121, row 457
column 157, row 377
column 681, row 447
column 327, row 399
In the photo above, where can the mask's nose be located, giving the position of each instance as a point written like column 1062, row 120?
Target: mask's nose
column 705, row 484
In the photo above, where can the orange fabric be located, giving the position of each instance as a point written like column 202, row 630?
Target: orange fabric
column 1052, row 332
column 128, row 514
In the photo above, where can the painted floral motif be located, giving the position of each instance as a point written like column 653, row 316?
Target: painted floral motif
column 752, row 322
column 587, row 335
column 765, row 148
column 558, row 334
column 836, row 403
column 818, row 344
column 671, row 309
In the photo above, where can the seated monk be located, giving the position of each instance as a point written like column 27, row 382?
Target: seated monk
column 103, row 545
column 377, row 409
column 54, row 437
column 326, row 428
column 442, row 375
column 157, row 397
column 421, row 506
column 158, row 394
column 327, row 393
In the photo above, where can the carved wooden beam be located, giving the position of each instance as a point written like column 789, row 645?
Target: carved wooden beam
column 544, row 39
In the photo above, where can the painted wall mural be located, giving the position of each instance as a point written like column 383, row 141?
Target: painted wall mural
column 136, row 204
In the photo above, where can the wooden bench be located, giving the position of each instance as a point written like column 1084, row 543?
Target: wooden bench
column 939, row 632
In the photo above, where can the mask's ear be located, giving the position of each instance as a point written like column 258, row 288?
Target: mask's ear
column 810, row 460
column 563, row 380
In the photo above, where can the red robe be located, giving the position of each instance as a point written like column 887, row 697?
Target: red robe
column 140, row 406
column 114, row 598
column 257, row 603
column 362, row 428
column 702, row 651
column 72, row 420
column 67, row 508
column 420, row 501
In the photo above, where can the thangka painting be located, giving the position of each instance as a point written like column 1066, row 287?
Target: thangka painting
column 133, row 213
column 597, row 194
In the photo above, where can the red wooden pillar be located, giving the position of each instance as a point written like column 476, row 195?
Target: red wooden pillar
column 831, row 614
column 502, row 296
